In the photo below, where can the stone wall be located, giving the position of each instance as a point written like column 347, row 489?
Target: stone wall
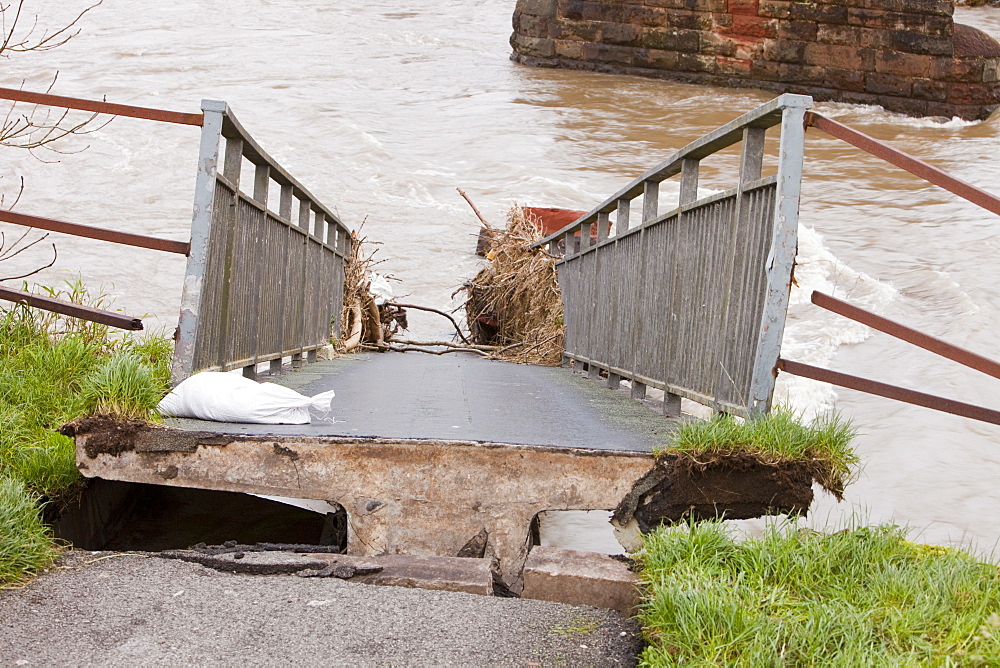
column 906, row 55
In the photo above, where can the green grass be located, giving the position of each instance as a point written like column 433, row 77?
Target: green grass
column 859, row 597
column 25, row 543
column 824, row 444
column 51, row 371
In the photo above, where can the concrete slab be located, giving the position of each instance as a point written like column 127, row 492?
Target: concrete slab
column 463, row 397
column 580, row 578
column 472, row 576
column 402, row 496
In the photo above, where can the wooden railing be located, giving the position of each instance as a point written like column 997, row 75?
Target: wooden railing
column 265, row 274
column 691, row 300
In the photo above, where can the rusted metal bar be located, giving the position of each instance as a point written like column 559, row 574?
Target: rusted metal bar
column 73, row 310
column 915, row 166
column 925, row 341
column 100, row 107
column 126, row 238
column 890, row 391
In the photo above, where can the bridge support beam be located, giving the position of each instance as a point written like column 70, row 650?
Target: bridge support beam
column 425, row 497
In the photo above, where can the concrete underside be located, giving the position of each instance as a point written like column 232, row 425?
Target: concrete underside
column 429, row 455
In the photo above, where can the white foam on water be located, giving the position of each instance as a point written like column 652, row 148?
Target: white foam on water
column 814, row 335
column 873, row 113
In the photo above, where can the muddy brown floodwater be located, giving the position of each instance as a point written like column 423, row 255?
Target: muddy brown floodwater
column 383, row 109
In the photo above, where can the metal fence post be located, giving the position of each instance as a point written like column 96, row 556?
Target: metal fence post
column 781, row 258
column 201, row 229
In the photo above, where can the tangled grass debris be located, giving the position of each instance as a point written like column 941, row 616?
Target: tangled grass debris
column 364, row 323
column 514, row 302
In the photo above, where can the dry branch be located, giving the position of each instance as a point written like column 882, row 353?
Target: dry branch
column 415, row 349
column 439, row 312
column 364, row 323
column 447, row 344
column 474, row 209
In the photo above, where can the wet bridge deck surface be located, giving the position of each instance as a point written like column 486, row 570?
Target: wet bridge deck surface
column 463, row 397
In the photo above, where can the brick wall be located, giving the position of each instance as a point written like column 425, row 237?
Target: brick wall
column 906, row 55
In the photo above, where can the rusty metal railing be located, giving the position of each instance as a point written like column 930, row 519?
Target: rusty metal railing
column 264, row 278
column 915, row 166
column 89, row 231
column 692, row 300
column 904, row 333
column 73, row 310
column 100, row 107
column 967, row 191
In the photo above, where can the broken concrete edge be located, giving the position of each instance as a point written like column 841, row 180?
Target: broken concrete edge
column 108, row 435
column 551, row 574
column 104, row 434
column 581, row 578
column 447, row 494
column 458, row 574
column 733, row 488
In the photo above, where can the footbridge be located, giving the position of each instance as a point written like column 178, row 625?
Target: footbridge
column 671, row 293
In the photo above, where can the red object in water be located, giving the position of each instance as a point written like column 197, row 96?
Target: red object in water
column 552, row 220
column 548, row 220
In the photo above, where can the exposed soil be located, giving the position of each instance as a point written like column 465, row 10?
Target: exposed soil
column 105, row 434
column 736, row 487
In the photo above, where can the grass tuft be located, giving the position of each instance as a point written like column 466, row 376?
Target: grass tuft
column 859, row 597
column 25, row 543
column 52, row 370
column 123, row 386
column 824, row 444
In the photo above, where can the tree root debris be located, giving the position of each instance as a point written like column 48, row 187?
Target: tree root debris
column 514, row 303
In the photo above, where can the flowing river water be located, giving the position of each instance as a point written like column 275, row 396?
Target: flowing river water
column 383, row 108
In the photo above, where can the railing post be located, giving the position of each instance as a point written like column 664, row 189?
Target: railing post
column 650, row 201
column 621, row 216
column 688, row 195
column 261, row 183
column 261, row 190
column 233, row 165
column 689, row 181
column 781, row 257
column 201, row 230
column 603, row 226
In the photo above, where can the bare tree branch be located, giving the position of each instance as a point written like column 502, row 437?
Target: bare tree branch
column 28, row 41
column 38, row 127
column 55, row 256
column 439, row 312
column 11, row 252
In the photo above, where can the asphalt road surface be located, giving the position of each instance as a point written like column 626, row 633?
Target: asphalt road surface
column 133, row 609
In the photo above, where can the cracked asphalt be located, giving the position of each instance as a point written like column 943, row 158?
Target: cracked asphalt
column 139, row 609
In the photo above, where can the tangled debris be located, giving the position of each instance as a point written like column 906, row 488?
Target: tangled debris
column 367, row 324
column 514, row 303
column 513, row 306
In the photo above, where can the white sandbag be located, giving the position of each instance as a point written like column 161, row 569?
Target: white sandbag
column 229, row 397
column 379, row 288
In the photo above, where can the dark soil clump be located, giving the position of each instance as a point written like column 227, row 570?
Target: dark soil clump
column 105, row 434
column 739, row 486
